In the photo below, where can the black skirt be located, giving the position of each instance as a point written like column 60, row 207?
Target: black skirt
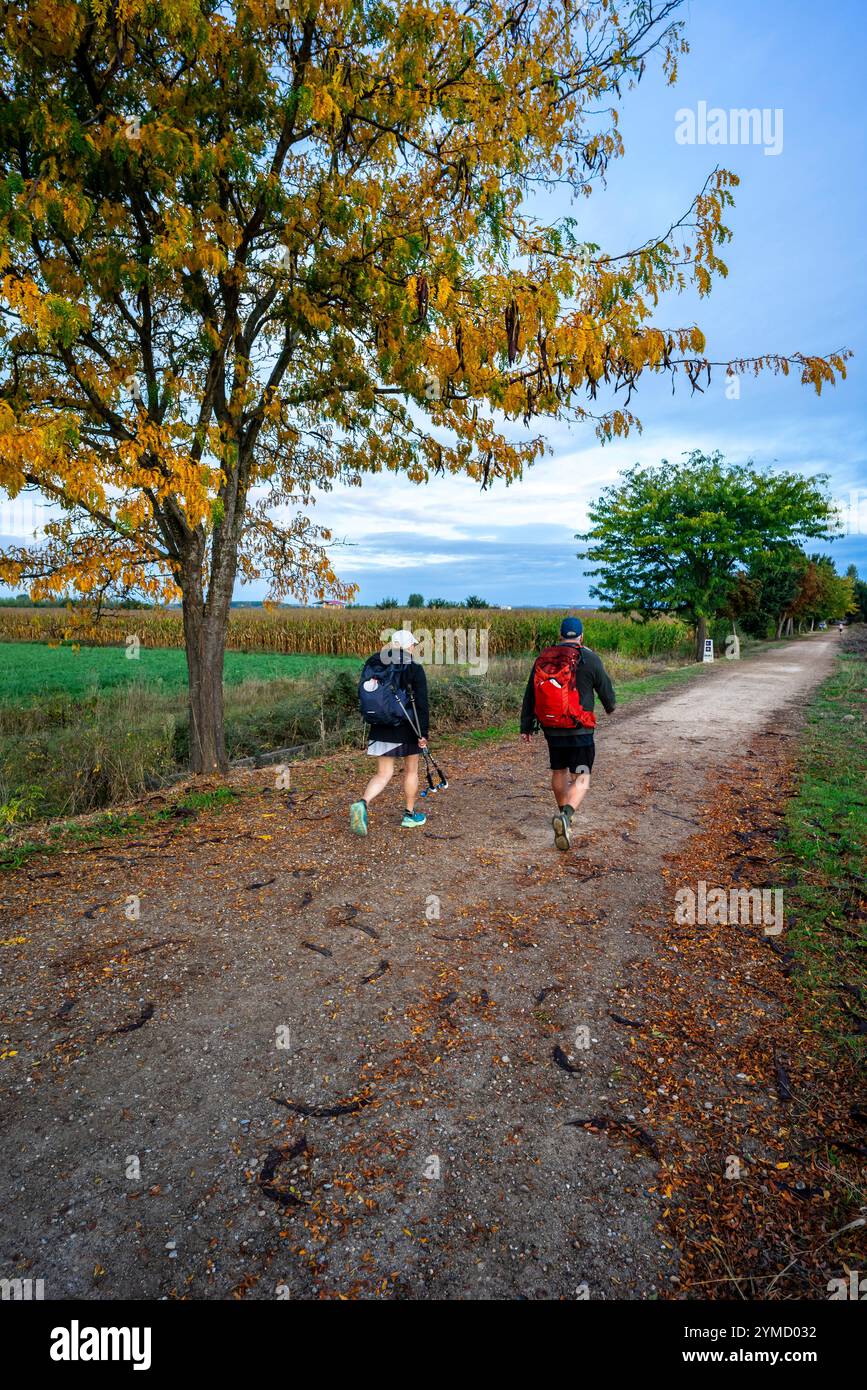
column 402, row 737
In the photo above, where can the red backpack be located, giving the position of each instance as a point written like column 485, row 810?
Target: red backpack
column 555, row 688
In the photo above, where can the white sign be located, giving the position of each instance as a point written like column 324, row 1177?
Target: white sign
column 708, row 649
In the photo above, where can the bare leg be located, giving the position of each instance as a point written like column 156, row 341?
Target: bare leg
column 569, row 790
column 410, row 780
column 380, row 779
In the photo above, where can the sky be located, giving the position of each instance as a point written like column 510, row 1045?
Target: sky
column 796, row 283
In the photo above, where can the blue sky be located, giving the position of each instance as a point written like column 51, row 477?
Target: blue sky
column 796, row 282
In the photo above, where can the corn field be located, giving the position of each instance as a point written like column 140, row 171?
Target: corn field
column 346, row 632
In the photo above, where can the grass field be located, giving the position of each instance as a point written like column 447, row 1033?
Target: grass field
column 32, row 670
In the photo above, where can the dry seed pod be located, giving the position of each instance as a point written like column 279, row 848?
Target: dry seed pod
column 513, row 328
column 422, row 294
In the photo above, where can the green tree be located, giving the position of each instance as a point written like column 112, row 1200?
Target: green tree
column 859, row 594
column 769, row 589
column 387, row 603
column 670, row 539
column 836, row 597
column 475, row 602
column 415, row 601
column 783, row 586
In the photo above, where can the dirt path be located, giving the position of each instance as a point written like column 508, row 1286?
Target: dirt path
column 422, row 980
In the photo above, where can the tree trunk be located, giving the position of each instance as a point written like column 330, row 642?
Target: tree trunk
column 780, row 622
column 205, row 644
column 206, row 626
column 700, row 637
column 205, row 632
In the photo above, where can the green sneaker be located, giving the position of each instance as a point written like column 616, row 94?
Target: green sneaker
column 358, row 818
column 412, row 818
column 562, row 830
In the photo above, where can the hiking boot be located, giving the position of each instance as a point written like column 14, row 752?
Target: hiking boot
column 562, row 824
column 358, row 818
column 411, row 819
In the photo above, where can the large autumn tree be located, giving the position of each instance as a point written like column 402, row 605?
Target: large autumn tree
column 249, row 249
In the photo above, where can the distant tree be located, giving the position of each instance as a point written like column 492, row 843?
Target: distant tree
column 475, row 602
column 441, row 603
column 859, row 594
column 783, row 586
column 25, row 601
column 670, row 539
column 415, row 601
column 387, row 603
column 836, row 592
column 808, row 604
column 768, row 588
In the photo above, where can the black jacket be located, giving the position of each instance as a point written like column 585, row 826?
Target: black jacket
column 414, row 683
column 592, row 679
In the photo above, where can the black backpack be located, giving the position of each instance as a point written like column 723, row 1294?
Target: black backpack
column 382, row 696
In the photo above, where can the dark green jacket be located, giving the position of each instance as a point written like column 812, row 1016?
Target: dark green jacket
column 592, row 679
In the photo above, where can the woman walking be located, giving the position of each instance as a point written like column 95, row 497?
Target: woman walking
column 404, row 737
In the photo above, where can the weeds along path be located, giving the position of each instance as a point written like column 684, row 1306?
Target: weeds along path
column 256, row 1054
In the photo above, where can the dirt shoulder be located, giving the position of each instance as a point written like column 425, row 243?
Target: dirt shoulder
column 343, row 1067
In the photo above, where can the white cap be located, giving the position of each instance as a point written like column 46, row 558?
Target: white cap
column 403, row 639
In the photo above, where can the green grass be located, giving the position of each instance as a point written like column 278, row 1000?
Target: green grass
column 29, row 671
column 204, row 801
column 110, row 826
column 649, row 685
column 84, row 729
column 476, row 736
column 826, row 847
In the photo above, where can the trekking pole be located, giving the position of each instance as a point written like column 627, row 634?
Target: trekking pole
column 430, row 762
column 427, row 772
column 444, row 781
column 428, row 759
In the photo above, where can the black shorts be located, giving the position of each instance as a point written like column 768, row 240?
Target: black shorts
column 578, row 757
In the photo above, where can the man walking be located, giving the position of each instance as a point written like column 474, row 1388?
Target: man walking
column 394, row 703
column 559, row 699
